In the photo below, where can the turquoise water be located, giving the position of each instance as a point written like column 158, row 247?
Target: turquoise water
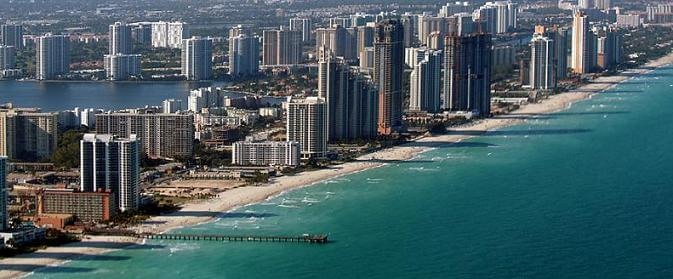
column 584, row 193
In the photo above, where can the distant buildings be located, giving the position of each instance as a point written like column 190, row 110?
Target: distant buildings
column 161, row 135
column 467, row 74
column 281, row 47
column 120, row 39
column 108, row 163
column 629, row 20
column 28, row 134
column 542, row 67
column 388, row 70
column 197, row 58
column 338, row 40
column 141, row 33
column 243, row 55
column 302, row 25
column 499, row 16
column 425, row 83
column 4, row 196
column 169, row 34
column 171, row 106
column 583, row 48
column 205, row 97
column 53, row 56
column 660, row 13
column 122, row 66
column 504, row 56
column 307, row 124
column 268, row 153
column 351, row 100
column 11, row 35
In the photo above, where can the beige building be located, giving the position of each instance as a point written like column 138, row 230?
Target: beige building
column 28, row 134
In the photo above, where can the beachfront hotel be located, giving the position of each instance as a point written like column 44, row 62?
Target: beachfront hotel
column 267, row 153
column 542, row 72
column 583, row 54
column 467, row 74
column 108, row 163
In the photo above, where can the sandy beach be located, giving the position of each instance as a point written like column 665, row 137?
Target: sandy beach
column 207, row 210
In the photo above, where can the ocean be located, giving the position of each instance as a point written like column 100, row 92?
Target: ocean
column 583, row 193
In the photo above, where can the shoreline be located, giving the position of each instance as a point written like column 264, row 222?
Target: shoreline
column 209, row 210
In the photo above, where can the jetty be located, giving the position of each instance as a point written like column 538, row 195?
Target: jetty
column 307, row 238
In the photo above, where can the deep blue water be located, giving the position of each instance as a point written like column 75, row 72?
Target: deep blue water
column 54, row 96
column 583, row 193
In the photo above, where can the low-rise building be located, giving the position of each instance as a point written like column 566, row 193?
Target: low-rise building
column 22, row 236
column 85, row 206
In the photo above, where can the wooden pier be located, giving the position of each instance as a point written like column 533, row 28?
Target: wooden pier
column 314, row 239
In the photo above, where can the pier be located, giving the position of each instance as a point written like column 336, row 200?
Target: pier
column 314, row 239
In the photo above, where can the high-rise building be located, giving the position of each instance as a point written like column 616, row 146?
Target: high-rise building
column 171, row 106
column 53, row 56
column 281, row 47
column 456, row 7
column 11, row 35
column 563, row 39
column 4, row 195
column 141, row 33
column 122, row 66
column 205, row 97
column 603, row 4
column 429, row 24
column 388, row 70
column 425, row 89
column 169, row 34
column 338, row 40
column 467, row 74
column 268, row 153
column 585, row 4
column 365, row 39
column 504, row 56
column 197, row 58
column 120, row 39
column 583, row 51
column 542, row 66
column 161, row 135
column 307, row 124
column 28, row 134
column 609, row 47
column 499, row 16
column 409, row 26
column 243, row 55
column 351, row 101
column 302, row 25
column 7, row 58
column 660, row 13
column 109, row 163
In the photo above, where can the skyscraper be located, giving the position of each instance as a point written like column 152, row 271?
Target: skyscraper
column 609, row 47
column 349, row 97
column 4, row 195
column 53, row 56
column 585, row 4
column 169, row 34
column 281, row 47
column 542, row 68
column 197, row 58
column 500, row 16
column 467, row 74
column 425, row 89
column 122, row 66
column 429, row 24
column 243, row 55
column 302, row 25
column 603, row 4
column 11, row 35
column 582, row 53
column 141, row 33
column 388, row 70
column 120, row 39
column 108, row 163
column 307, row 124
